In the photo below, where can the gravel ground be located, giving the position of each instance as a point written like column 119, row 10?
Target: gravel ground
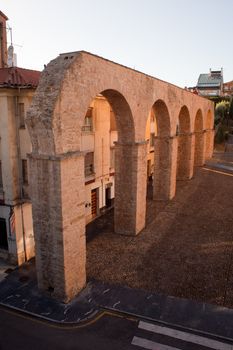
column 186, row 249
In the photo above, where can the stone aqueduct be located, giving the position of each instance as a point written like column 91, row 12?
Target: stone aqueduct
column 68, row 85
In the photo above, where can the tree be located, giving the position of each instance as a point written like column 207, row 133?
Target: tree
column 231, row 108
column 222, row 111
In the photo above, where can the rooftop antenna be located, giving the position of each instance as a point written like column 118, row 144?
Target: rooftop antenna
column 10, row 29
column 12, row 59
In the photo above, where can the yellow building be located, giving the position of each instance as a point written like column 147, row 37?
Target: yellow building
column 17, row 87
column 99, row 133
column 98, row 137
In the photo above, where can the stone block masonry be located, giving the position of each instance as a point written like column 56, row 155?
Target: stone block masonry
column 67, row 86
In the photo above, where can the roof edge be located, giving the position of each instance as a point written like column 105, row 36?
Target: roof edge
column 4, row 16
column 16, row 67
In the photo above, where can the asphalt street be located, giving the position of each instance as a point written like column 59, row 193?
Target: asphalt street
column 19, row 331
column 106, row 331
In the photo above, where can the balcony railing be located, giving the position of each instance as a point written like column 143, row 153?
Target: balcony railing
column 87, row 128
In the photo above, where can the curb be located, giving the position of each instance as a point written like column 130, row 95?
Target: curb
column 98, row 313
column 172, row 325
column 51, row 320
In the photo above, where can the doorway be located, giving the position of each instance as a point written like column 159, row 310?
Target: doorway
column 108, row 200
column 3, row 234
column 94, row 203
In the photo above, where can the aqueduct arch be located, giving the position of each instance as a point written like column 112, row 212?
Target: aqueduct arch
column 199, row 153
column 165, row 154
column 184, row 157
column 209, row 134
column 127, row 154
column 67, row 86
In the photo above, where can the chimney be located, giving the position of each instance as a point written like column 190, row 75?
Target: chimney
column 3, row 40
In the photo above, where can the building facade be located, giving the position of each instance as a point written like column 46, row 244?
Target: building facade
column 98, row 137
column 211, row 84
column 228, row 88
column 17, row 87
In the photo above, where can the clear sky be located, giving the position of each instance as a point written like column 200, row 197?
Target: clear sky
column 174, row 40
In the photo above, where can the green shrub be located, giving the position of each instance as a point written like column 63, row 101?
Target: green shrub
column 220, row 136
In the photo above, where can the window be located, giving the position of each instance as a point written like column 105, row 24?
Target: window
column 21, row 113
column 25, row 171
column 88, row 121
column 89, row 163
column 1, row 184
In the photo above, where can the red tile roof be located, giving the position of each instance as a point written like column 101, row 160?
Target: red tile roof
column 19, row 77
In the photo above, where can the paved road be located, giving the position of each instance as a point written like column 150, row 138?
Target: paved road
column 108, row 331
column 18, row 331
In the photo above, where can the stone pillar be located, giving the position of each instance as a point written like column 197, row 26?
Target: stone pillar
column 59, row 222
column 165, row 168
column 209, row 143
column 185, row 156
column 199, row 155
column 130, row 187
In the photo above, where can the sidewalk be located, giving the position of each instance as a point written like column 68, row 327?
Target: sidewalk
column 5, row 269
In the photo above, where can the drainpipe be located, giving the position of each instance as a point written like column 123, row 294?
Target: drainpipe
column 20, row 173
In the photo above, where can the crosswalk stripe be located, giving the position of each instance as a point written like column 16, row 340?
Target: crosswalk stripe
column 150, row 345
column 188, row 337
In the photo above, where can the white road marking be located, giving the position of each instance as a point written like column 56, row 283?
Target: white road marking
column 106, row 290
column 217, row 171
column 116, row 304
column 150, row 345
column 188, row 337
column 88, row 312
